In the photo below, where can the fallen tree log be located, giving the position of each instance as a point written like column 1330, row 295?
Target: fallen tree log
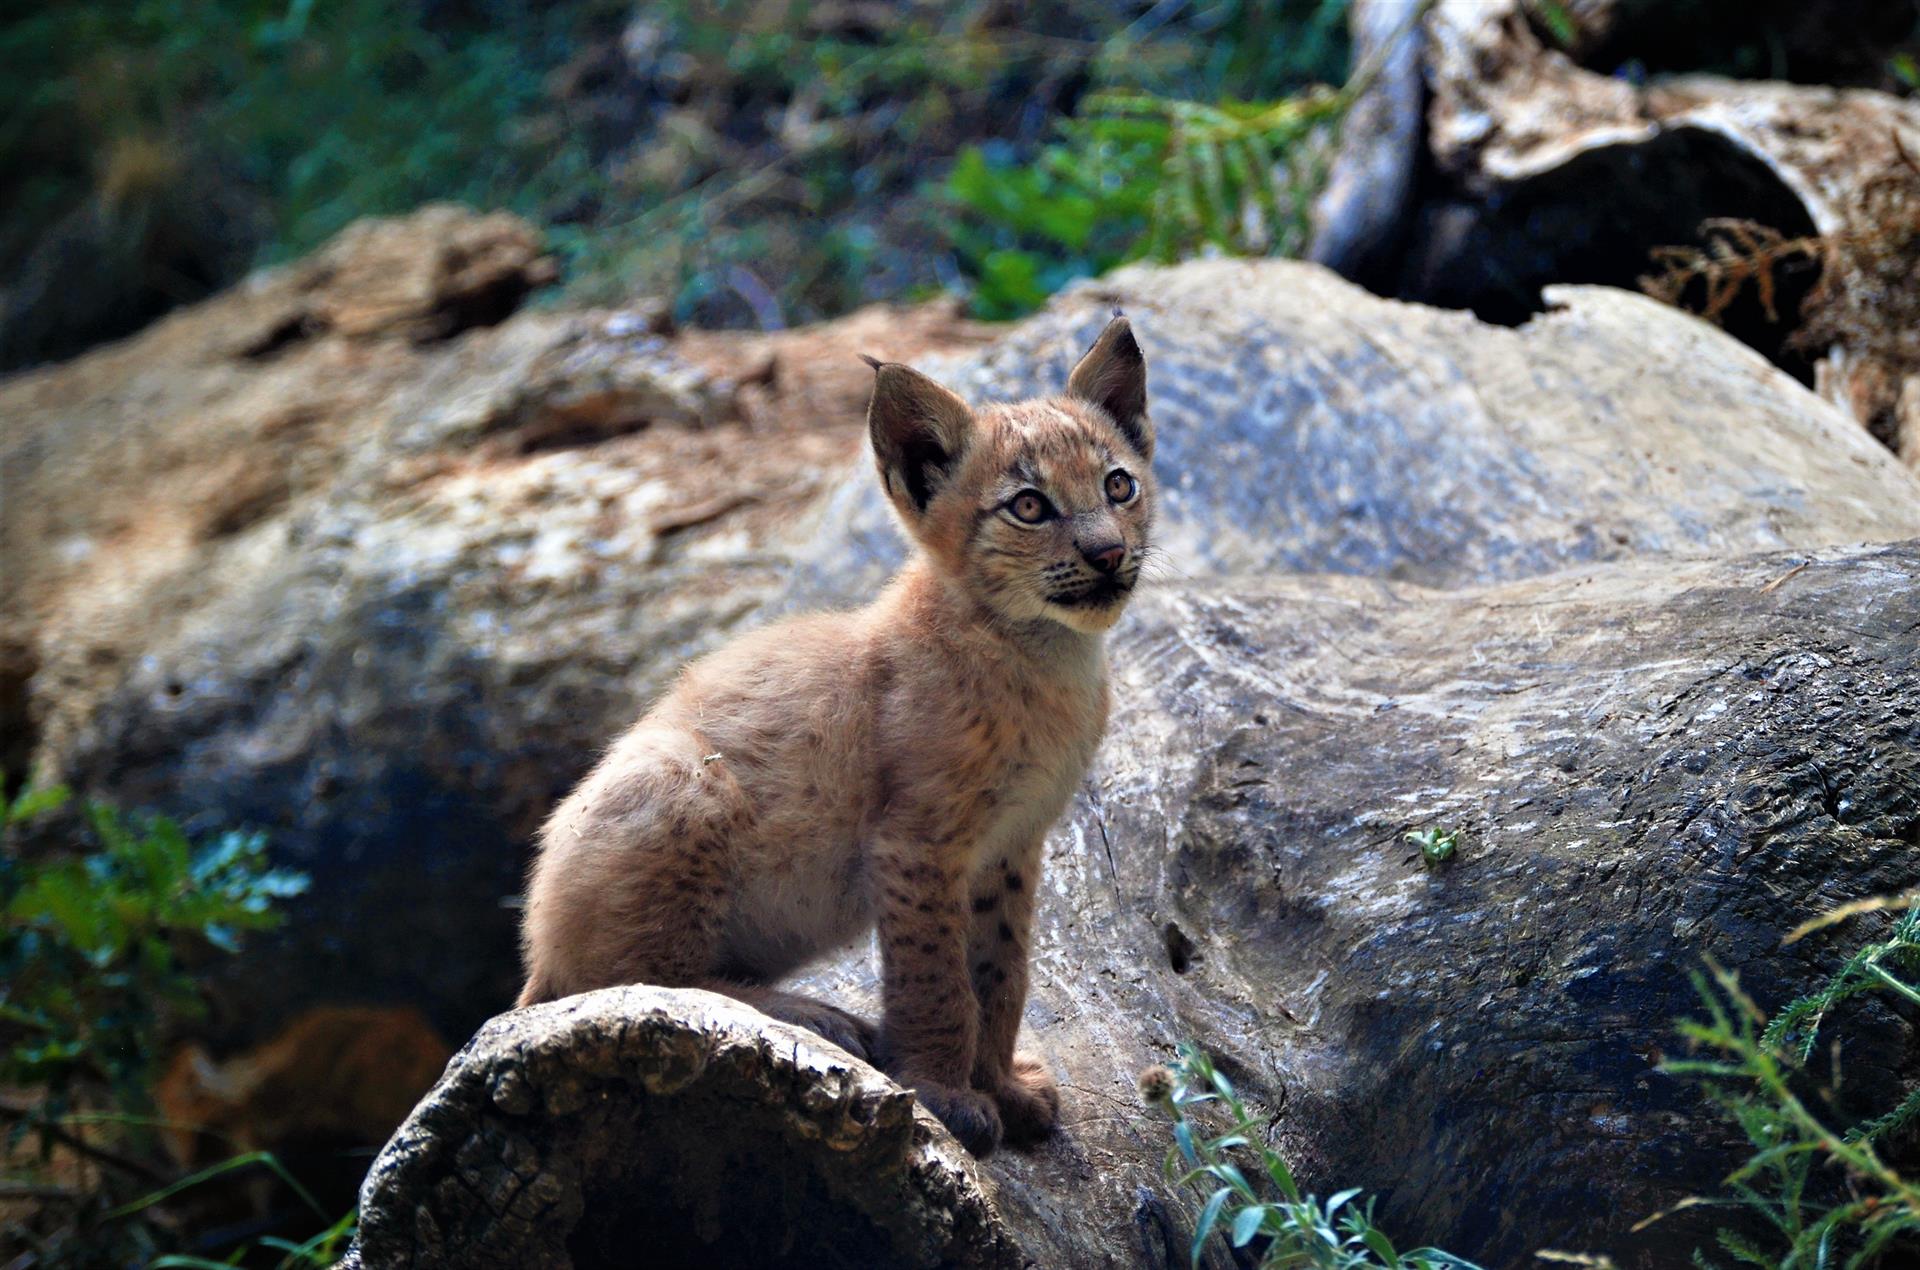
column 671, row 1128
column 1652, row 762
column 1540, row 583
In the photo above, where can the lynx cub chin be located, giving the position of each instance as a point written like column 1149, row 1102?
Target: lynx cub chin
column 898, row 765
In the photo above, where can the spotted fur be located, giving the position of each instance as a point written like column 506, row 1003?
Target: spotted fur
column 894, row 767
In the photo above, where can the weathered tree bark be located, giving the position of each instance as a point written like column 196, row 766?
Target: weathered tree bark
column 1360, row 220
column 1539, row 167
column 648, row 1126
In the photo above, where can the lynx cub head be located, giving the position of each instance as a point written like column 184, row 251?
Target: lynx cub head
column 1041, row 509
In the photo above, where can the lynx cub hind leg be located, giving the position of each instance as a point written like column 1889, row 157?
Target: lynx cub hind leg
column 650, row 844
column 896, row 766
column 634, row 880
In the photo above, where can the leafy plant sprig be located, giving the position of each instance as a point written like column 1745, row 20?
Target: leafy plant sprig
column 99, row 947
column 1437, row 845
column 1135, row 175
column 1294, row 1228
column 1755, row 1070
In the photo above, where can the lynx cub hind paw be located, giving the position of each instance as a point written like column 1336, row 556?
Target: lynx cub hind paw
column 849, row 1031
column 1029, row 1101
column 969, row 1115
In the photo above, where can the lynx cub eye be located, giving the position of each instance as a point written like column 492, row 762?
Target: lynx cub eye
column 1120, row 485
column 1030, row 507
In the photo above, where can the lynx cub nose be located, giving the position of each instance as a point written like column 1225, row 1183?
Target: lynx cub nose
column 1107, row 557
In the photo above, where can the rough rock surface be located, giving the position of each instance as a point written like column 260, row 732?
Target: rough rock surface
column 1541, row 583
column 1304, row 425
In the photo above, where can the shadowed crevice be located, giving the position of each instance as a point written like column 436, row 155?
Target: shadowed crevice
column 1596, row 219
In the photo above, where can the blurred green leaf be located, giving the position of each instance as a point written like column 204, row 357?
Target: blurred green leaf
column 1209, row 1216
column 1558, row 20
column 32, row 803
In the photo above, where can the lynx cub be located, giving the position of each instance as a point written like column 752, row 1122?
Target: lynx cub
column 898, row 765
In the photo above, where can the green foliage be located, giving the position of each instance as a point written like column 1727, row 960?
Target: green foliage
column 768, row 162
column 1757, row 1072
column 1135, row 176
column 881, row 108
column 1269, row 1212
column 98, row 953
column 1437, row 845
column 318, row 1253
column 1904, row 68
column 1141, row 173
column 325, row 112
column 97, row 948
column 1875, row 967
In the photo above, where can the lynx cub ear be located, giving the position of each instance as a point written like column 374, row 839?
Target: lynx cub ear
column 1113, row 376
column 919, row 432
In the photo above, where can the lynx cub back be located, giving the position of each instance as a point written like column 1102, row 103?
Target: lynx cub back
column 898, row 765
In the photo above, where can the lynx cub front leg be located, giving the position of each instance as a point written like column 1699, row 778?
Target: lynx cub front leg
column 930, row 1032
column 1002, row 927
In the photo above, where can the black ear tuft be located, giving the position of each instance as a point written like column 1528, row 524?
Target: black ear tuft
column 874, row 362
column 1113, row 376
column 919, row 431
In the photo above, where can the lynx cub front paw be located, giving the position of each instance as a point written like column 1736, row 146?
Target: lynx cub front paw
column 1029, row 1101
column 968, row 1114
